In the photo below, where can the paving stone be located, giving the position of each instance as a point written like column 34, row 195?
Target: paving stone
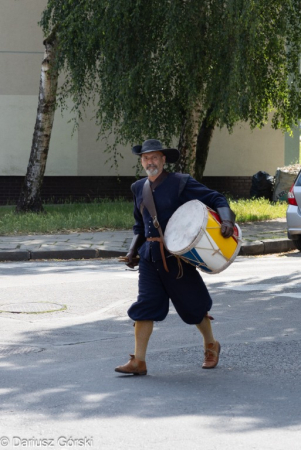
column 257, row 238
column 8, row 246
column 30, row 248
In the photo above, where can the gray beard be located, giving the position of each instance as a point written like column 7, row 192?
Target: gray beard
column 152, row 172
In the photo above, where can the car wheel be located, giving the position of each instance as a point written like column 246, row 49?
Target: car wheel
column 297, row 243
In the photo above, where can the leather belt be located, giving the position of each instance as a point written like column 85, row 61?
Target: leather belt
column 159, row 239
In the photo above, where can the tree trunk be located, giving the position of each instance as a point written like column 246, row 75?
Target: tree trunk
column 202, row 145
column 30, row 196
column 187, row 142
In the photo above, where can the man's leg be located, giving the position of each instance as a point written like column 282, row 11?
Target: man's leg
column 206, row 330
column 192, row 302
column 152, row 305
column 136, row 365
column 143, row 331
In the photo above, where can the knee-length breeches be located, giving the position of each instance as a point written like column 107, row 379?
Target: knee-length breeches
column 188, row 294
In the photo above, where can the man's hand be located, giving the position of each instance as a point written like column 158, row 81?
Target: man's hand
column 130, row 256
column 227, row 221
column 227, row 228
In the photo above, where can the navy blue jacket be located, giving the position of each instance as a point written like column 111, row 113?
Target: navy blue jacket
column 168, row 196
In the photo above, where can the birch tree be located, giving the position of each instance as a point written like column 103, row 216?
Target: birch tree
column 30, row 196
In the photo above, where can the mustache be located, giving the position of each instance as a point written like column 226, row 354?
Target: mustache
column 152, row 166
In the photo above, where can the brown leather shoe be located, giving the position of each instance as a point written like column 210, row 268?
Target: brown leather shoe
column 133, row 366
column 211, row 355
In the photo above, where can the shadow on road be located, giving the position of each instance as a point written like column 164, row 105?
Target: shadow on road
column 65, row 371
column 73, row 377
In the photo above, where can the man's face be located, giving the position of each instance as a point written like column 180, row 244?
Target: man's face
column 153, row 163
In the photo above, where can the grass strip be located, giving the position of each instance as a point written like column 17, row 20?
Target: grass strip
column 103, row 215
column 252, row 210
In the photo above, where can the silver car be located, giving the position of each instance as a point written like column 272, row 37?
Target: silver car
column 293, row 213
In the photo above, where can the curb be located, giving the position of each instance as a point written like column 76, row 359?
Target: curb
column 26, row 255
column 251, row 249
column 13, row 255
column 267, row 246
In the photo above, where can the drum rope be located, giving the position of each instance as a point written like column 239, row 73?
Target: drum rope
column 194, row 262
column 181, row 272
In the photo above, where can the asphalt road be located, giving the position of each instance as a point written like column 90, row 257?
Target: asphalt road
column 58, row 386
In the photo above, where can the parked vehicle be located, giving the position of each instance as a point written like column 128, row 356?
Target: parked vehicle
column 293, row 213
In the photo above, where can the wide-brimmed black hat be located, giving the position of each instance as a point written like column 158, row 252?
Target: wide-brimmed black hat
column 153, row 145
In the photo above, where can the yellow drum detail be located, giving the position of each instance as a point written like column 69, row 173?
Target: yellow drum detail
column 226, row 245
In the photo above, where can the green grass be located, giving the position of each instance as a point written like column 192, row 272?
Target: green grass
column 257, row 209
column 110, row 215
column 68, row 217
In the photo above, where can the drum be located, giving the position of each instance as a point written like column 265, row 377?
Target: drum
column 194, row 234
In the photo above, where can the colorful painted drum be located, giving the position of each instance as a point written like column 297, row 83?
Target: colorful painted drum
column 194, row 234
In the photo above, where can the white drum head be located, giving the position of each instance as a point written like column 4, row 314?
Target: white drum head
column 186, row 227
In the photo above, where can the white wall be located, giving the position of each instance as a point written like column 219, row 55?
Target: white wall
column 17, row 120
column 245, row 152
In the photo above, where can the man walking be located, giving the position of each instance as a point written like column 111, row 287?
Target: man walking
column 158, row 269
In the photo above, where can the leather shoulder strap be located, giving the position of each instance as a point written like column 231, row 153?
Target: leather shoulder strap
column 148, row 201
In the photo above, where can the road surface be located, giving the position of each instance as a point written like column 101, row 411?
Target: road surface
column 58, row 386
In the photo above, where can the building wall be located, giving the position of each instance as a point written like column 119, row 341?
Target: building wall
column 21, row 54
column 245, row 152
column 240, row 154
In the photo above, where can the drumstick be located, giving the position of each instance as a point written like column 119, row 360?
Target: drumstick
column 125, row 259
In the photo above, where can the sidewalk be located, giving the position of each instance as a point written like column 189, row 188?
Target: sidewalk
column 258, row 238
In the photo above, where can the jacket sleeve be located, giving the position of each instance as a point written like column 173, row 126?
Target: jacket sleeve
column 196, row 191
column 138, row 227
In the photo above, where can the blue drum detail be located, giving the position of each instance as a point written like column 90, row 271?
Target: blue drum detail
column 194, row 257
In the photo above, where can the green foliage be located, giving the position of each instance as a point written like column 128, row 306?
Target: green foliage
column 146, row 64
